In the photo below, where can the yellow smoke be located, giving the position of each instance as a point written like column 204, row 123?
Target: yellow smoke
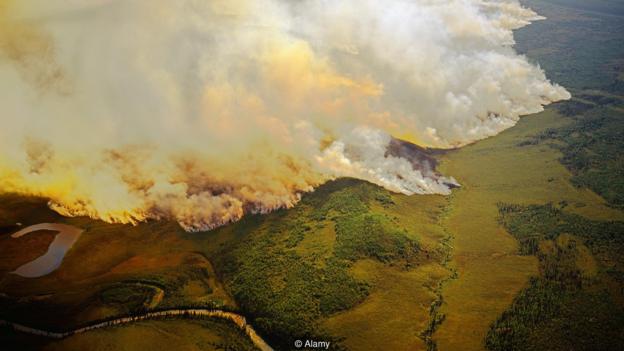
column 202, row 111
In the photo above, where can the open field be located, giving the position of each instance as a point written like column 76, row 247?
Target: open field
column 368, row 269
column 155, row 265
column 112, row 270
column 551, row 157
column 148, row 335
column 576, row 301
column 160, row 335
column 351, row 255
column 400, row 300
column 490, row 270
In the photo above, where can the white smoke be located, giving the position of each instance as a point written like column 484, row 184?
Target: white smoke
column 202, row 111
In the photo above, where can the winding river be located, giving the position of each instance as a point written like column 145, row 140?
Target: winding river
column 237, row 319
column 51, row 260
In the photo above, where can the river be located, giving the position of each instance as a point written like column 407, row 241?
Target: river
column 237, row 319
column 52, row 259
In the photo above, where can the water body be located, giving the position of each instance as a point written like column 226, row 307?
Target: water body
column 52, row 259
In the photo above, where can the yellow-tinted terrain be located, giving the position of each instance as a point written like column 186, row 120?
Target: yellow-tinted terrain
column 401, row 299
column 490, row 271
column 158, row 335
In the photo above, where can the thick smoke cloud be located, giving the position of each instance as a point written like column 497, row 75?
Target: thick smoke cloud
column 202, row 111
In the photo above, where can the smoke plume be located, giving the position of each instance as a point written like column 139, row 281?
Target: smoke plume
column 202, row 111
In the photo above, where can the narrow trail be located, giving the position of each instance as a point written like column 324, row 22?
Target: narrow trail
column 237, row 319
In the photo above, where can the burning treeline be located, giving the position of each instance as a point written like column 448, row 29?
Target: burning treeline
column 202, row 111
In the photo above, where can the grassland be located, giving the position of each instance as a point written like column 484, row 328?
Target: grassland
column 112, row 270
column 558, row 156
column 295, row 273
column 490, row 270
column 576, row 300
column 586, row 139
column 579, row 44
column 344, row 251
column 396, row 312
column 592, row 145
column 188, row 335
column 371, row 270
